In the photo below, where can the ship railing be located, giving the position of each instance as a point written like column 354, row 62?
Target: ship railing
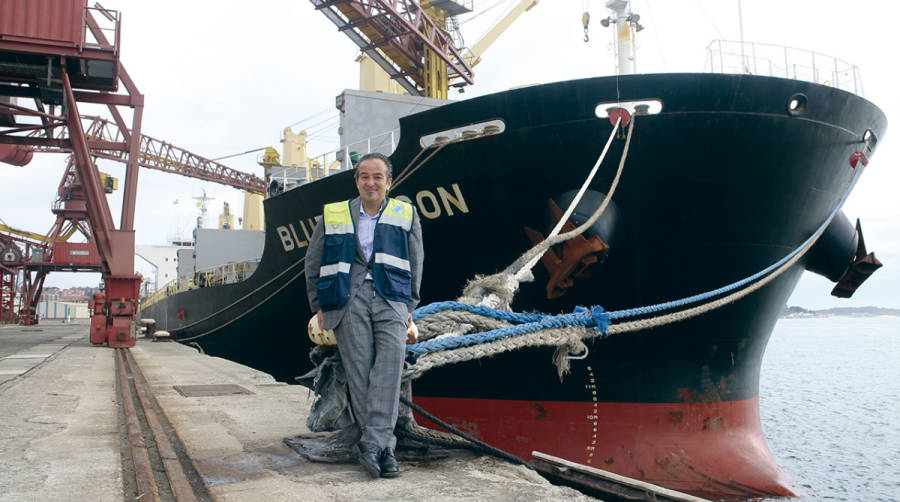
column 228, row 273
column 335, row 161
column 108, row 22
column 730, row 56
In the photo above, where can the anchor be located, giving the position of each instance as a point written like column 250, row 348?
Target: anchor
column 572, row 261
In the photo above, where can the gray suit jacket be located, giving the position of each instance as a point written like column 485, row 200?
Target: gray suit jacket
column 358, row 271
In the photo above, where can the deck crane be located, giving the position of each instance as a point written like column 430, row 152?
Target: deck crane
column 473, row 55
column 409, row 41
column 407, row 46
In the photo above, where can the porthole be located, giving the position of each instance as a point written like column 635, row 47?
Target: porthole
column 797, row 104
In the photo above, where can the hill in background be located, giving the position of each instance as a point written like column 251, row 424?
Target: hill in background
column 794, row 311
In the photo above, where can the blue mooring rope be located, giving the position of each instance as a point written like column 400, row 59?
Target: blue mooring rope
column 583, row 316
column 593, row 316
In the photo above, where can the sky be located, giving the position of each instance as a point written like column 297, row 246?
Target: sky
column 224, row 77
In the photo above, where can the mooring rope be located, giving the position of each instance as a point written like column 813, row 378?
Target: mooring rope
column 242, row 298
column 525, row 271
column 495, row 292
column 567, row 331
column 407, row 171
column 251, row 309
column 549, row 242
column 469, row 442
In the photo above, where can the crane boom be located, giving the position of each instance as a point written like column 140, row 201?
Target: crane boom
column 108, row 140
column 22, row 233
column 400, row 36
column 473, row 55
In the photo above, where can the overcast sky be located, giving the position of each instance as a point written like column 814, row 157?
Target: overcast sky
column 222, row 77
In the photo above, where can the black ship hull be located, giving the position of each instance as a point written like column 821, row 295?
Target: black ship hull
column 725, row 180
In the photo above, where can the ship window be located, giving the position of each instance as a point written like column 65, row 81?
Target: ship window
column 797, row 104
column 464, row 133
column 640, row 107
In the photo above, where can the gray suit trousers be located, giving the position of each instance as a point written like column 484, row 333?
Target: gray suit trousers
column 372, row 341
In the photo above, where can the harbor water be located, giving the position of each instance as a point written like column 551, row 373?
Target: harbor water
column 830, row 406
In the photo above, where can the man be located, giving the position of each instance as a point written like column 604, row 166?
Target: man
column 363, row 271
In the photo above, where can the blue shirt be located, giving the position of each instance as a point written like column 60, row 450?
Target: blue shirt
column 366, row 233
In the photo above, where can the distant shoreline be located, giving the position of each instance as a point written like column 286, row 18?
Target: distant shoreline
column 793, row 311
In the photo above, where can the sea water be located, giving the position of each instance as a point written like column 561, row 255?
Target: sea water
column 830, row 406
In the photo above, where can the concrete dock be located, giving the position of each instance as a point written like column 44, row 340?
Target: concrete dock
column 61, row 432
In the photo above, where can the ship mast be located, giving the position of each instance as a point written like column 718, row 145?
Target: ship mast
column 626, row 24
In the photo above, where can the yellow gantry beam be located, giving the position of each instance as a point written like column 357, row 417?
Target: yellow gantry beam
column 23, row 233
column 63, row 237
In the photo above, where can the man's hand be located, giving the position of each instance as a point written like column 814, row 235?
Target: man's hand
column 408, row 319
column 319, row 318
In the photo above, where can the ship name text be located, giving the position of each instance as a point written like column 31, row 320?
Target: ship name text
column 431, row 205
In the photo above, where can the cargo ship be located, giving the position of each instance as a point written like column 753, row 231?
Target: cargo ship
column 725, row 175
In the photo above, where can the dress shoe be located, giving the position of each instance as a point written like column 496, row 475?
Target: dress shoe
column 367, row 454
column 388, row 463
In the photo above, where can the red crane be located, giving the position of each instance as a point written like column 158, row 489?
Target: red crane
column 108, row 142
column 58, row 55
column 82, row 66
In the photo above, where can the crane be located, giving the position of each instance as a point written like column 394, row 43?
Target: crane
column 52, row 252
column 406, row 40
column 409, row 40
column 58, row 67
column 108, row 140
column 473, row 55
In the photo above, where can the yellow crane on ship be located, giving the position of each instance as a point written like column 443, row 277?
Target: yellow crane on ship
column 440, row 69
column 406, row 47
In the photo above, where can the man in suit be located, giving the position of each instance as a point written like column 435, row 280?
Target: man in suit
column 363, row 271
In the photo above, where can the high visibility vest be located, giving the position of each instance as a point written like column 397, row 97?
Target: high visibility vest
column 390, row 255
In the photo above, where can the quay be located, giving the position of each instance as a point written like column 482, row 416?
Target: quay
column 64, row 436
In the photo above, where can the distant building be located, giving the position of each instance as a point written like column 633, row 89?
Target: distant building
column 62, row 310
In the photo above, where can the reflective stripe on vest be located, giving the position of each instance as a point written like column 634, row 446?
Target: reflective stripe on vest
column 391, row 268
column 333, row 284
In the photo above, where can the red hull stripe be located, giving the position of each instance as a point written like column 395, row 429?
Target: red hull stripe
column 702, row 448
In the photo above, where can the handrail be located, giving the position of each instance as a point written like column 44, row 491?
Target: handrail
column 228, row 273
column 108, row 22
column 730, row 56
column 334, row 161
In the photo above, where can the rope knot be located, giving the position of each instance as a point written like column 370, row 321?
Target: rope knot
column 599, row 318
column 495, row 291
